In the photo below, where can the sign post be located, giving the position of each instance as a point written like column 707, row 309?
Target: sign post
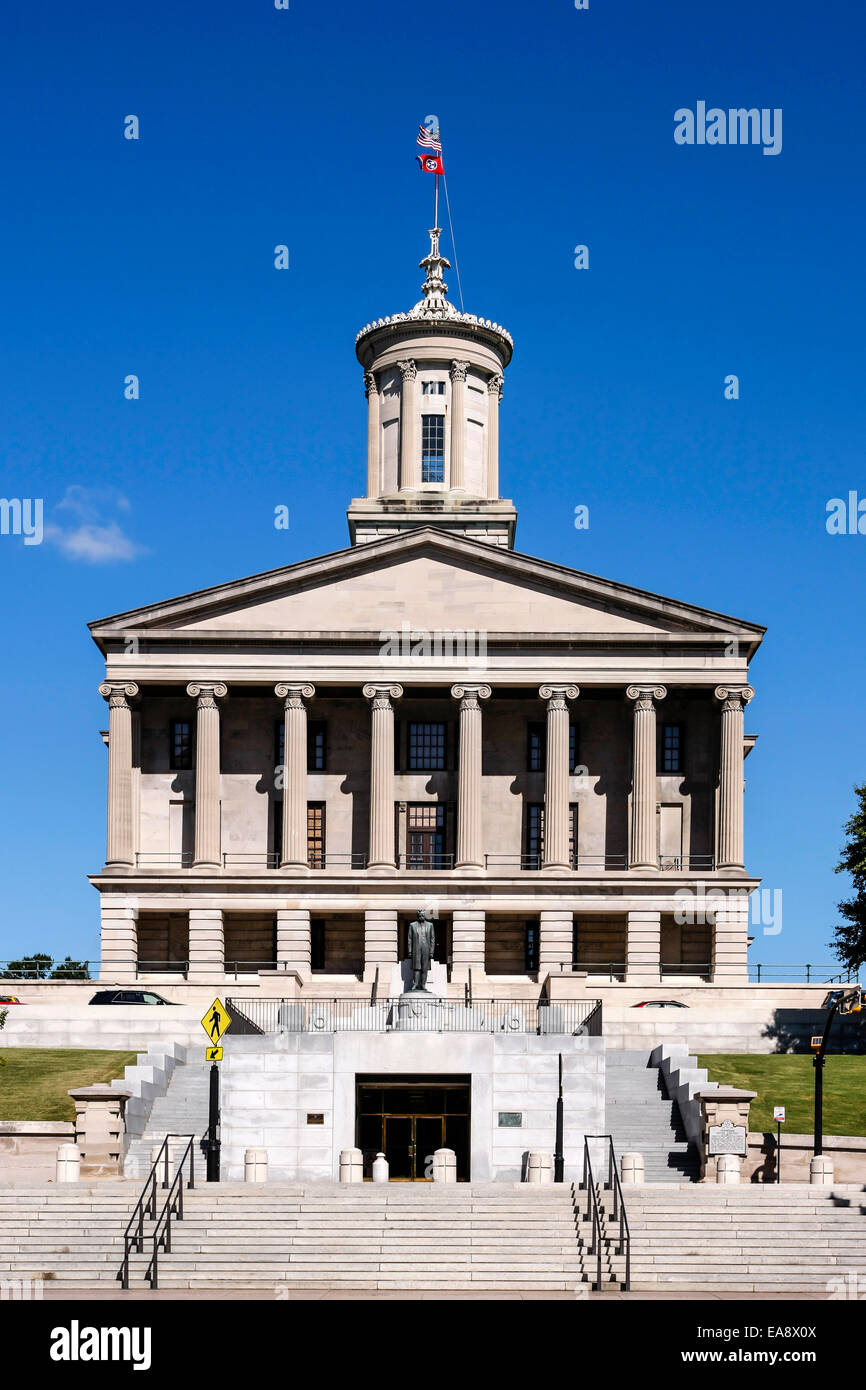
column 779, row 1117
column 215, row 1023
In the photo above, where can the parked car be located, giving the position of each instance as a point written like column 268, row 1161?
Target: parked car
column 9, row 999
column 128, row 996
column 660, row 1004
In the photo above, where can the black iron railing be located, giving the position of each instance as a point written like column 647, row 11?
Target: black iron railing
column 423, row 861
column 418, row 1014
column 145, row 1207
column 173, row 1208
column 620, row 1242
column 162, row 859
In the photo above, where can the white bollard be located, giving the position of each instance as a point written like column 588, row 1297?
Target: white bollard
column 821, row 1170
column 68, row 1163
column 728, row 1168
column 444, row 1165
column 351, row 1165
column 255, row 1165
column 380, row 1168
column 540, row 1168
column 633, row 1168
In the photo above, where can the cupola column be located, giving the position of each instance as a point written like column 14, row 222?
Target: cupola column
column 458, row 422
column 494, row 396
column 374, row 463
column 408, row 425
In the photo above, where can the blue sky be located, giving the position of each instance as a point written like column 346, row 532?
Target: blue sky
column 260, row 127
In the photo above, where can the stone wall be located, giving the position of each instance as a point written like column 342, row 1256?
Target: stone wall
column 271, row 1085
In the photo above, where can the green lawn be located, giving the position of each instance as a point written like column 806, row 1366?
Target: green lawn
column 789, row 1080
column 34, row 1080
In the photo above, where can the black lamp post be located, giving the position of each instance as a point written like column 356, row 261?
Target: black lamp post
column 213, row 1143
column 849, row 1002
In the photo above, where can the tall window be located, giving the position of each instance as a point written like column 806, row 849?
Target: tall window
column 426, row 747
column 316, row 834
column 180, row 751
column 672, row 748
column 533, row 835
column 536, row 747
column 425, row 835
column 536, row 754
column 432, row 388
column 316, row 745
column 530, row 948
column 432, row 448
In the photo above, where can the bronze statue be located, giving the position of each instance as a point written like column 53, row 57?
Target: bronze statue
column 422, row 944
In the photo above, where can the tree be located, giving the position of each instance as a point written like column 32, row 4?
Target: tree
column 849, row 936
column 70, row 969
column 3, row 1013
column 33, row 967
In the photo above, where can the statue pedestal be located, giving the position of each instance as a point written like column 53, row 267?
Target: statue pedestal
column 401, row 979
column 420, row 1012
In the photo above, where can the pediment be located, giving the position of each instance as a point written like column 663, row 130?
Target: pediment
column 431, row 581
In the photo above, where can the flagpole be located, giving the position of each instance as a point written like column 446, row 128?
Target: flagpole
column 436, row 203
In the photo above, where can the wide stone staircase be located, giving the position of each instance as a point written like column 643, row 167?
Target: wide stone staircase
column 275, row 1236
column 641, row 1118
column 755, row 1238
column 182, row 1110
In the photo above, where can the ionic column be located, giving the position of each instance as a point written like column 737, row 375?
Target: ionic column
column 730, row 831
column 408, row 426
column 207, row 771
column 458, row 422
column 293, row 851
column 119, row 841
column 556, row 854
column 381, row 853
column 494, row 396
column 470, row 853
column 374, row 477
column 644, row 840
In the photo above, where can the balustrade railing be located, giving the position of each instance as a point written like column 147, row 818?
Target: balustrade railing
column 419, row 1014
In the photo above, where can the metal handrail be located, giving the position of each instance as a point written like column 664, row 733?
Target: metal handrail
column 173, row 1207
column 592, row 1211
column 146, row 1204
column 613, row 1184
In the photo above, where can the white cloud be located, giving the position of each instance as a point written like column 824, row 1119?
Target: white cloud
column 89, row 532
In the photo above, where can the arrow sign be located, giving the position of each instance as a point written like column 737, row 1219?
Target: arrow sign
column 216, row 1021
column 213, row 1054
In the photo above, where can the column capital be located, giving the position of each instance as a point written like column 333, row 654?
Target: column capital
column 206, row 693
column 293, row 695
column 382, row 695
column 495, row 384
column 734, row 697
column 458, row 370
column 370, row 384
column 644, row 696
column 558, row 695
column 118, row 693
column 469, row 695
column 408, row 369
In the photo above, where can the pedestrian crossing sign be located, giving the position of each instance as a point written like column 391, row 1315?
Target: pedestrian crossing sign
column 213, row 1054
column 215, row 1021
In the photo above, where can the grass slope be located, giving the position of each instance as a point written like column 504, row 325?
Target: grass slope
column 34, row 1080
column 789, row 1080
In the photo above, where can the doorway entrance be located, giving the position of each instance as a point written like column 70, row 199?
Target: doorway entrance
column 408, row 1118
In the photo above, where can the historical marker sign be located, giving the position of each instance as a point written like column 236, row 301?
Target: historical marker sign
column 727, row 1138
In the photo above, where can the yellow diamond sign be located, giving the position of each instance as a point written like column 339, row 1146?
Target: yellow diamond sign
column 215, row 1021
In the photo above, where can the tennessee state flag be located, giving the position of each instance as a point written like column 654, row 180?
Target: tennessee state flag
column 430, row 163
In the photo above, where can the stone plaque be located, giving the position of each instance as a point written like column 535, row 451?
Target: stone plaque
column 727, row 1138
column 510, row 1119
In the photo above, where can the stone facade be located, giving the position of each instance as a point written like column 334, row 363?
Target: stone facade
column 552, row 762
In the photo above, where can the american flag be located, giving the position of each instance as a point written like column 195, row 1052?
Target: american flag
column 430, row 140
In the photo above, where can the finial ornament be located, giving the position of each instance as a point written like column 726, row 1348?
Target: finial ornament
column 434, row 304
